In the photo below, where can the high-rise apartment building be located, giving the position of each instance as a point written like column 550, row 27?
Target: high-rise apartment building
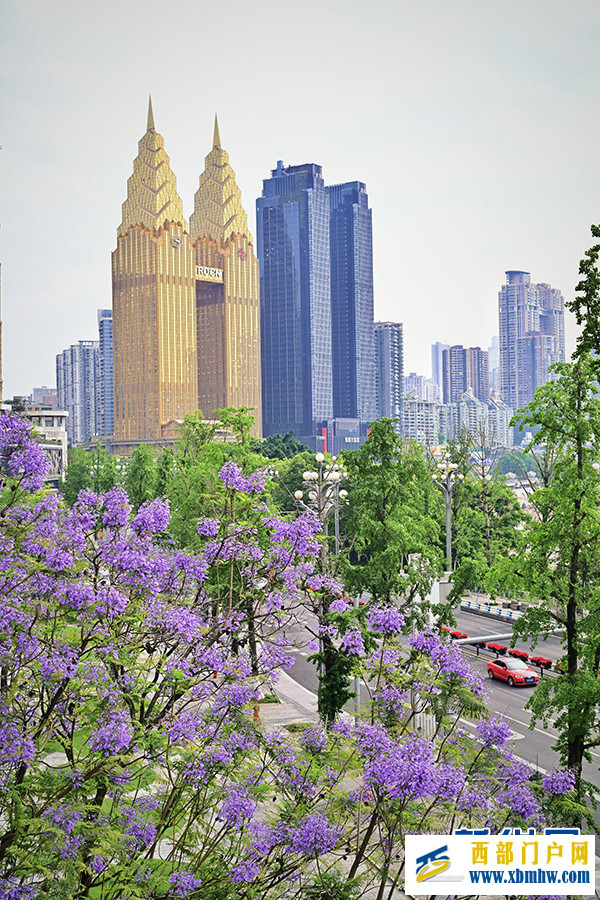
column 464, row 369
column 295, row 303
column 77, row 382
column 105, row 372
column 154, row 302
column 532, row 336
column 227, row 292
column 351, row 251
column 389, row 371
column 437, row 351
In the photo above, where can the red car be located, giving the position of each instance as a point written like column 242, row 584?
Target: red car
column 514, row 671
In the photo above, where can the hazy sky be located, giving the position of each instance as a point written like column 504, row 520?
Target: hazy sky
column 473, row 124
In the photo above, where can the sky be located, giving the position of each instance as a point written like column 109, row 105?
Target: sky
column 472, row 123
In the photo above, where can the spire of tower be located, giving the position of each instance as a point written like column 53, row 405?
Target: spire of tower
column 216, row 135
column 150, row 125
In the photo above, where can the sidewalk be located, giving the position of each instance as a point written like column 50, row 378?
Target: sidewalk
column 296, row 704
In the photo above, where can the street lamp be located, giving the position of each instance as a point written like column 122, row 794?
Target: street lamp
column 445, row 478
column 323, row 496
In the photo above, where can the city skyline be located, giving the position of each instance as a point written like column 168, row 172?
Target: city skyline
column 458, row 119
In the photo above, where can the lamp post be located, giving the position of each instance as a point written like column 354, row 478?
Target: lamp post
column 323, row 496
column 322, row 489
column 445, row 477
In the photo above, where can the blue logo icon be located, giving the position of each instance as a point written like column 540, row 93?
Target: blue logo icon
column 433, row 863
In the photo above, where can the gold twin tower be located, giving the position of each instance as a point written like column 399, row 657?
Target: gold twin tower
column 186, row 329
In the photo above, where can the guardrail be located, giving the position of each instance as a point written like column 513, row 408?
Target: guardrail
column 488, row 609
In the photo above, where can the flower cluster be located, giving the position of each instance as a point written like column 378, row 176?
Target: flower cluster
column 385, row 620
column 233, row 478
column 558, row 782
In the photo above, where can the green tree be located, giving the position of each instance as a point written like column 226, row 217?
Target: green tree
column 558, row 561
column 485, row 511
column 140, row 477
column 394, row 517
column 278, row 446
column 586, row 304
column 78, row 475
column 191, row 478
column 104, row 471
column 165, row 466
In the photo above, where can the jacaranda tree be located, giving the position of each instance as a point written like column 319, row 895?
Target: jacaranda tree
column 131, row 765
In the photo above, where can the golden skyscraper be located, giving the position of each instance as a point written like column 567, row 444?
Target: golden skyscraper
column 227, row 292
column 154, row 302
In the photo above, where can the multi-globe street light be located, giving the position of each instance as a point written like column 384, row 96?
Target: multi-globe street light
column 324, row 496
column 445, row 477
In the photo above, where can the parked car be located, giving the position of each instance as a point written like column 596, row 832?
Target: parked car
column 513, row 671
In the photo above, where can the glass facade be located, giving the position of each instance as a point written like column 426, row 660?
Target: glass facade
column 77, row 382
column 295, row 293
column 532, row 336
column 154, row 302
column 389, row 365
column 228, row 312
column 351, row 248
column 106, row 387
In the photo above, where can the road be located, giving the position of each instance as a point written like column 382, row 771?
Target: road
column 534, row 745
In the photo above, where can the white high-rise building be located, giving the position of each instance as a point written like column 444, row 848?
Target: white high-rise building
column 78, row 383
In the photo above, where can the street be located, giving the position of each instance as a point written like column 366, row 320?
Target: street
column 533, row 745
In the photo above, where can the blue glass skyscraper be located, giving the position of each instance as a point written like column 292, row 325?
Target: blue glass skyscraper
column 351, row 247
column 106, row 386
column 295, row 303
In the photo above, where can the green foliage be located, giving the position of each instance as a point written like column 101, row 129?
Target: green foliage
column 333, row 886
column 586, row 304
column 393, row 518
column 517, row 461
column 96, row 471
column 557, row 561
column 165, row 467
column 78, row 475
column 104, row 471
column 484, row 523
column 140, row 478
column 289, row 472
column 278, row 446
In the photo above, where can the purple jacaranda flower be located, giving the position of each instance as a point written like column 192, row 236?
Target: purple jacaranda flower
column 11, row 890
column 97, row 864
column 494, row 732
column 208, row 527
column 183, row 883
column 137, row 822
column 113, row 734
column 238, row 806
column 558, row 782
column 339, row 605
column 232, row 477
column 314, row 739
column 117, row 508
column 244, row 871
column 313, row 646
column 408, row 771
column 515, row 791
column 152, row 517
column 22, row 457
column 16, row 746
column 313, row 836
column 385, row 620
column 446, row 658
column 352, row 642
column 391, row 698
